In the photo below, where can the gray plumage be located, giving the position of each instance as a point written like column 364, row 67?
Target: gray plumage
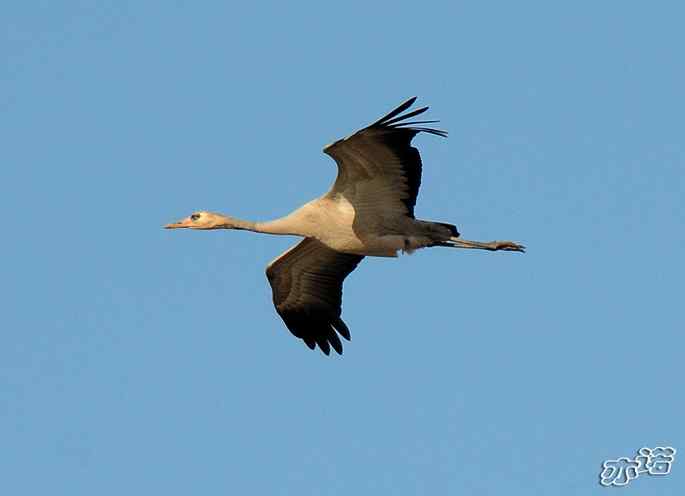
column 369, row 211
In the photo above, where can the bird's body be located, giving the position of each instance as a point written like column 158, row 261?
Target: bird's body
column 389, row 236
column 369, row 211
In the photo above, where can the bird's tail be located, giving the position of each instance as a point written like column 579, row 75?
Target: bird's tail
column 436, row 233
column 451, row 227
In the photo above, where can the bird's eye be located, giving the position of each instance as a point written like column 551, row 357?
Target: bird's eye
column 194, row 217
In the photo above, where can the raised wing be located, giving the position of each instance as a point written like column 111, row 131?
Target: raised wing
column 307, row 285
column 379, row 172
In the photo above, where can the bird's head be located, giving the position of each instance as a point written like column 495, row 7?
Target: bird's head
column 202, row 220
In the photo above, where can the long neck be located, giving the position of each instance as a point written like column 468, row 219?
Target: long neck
column 284, row 225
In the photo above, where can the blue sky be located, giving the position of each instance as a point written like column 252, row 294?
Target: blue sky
column 143, row 361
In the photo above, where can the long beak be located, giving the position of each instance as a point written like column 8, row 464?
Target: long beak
column 183, row 223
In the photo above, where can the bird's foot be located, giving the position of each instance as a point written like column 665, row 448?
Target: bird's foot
column 507, row 246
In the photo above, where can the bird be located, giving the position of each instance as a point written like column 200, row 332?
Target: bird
column 368, row 212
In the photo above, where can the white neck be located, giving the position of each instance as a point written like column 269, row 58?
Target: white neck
column 284, row 225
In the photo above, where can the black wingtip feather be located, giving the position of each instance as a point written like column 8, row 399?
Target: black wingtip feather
column 401, row 108
column 323, row 344
column 405, row 116
column 335, row 342
column 411, row 123
column 342, row 328
column 429, row 130
column 394, row 120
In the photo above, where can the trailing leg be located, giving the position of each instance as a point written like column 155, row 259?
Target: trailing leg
column 455, row 242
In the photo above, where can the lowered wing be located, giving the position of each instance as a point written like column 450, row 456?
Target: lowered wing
column 306, row 282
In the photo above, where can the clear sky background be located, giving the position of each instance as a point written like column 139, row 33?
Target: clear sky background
column 135, row 360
